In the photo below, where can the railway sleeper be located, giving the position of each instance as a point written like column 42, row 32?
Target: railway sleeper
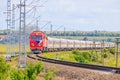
column 116, row 71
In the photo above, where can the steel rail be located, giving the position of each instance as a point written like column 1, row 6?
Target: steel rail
column 88, row 66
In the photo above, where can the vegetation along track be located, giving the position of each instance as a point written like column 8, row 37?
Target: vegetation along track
column 88, row 66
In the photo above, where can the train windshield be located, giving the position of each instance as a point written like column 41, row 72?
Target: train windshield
column 37, row 37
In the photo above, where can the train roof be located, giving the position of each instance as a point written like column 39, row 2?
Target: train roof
column 38, row 31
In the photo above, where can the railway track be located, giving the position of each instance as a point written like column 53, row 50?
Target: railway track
column 88, row 66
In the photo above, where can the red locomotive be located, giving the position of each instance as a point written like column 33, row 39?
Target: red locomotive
column 39, row 42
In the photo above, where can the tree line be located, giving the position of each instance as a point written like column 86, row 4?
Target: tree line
column 83, row 33
column 75, row 33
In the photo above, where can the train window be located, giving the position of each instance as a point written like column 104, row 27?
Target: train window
column 33, row 37
column 37, row 37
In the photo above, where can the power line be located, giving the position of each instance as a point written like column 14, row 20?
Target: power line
column 33, row 20
column 34, row 6
column 45, row 25
column 31, row 13
column 59, row 27
column 37, row 0
column 32, row 2
column 25, row 13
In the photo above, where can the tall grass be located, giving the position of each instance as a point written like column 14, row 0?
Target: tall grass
column 16, row 48
column 86, row 56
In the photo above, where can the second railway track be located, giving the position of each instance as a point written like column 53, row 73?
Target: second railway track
column 88, row 66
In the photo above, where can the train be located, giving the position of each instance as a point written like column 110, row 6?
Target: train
column 40, row 42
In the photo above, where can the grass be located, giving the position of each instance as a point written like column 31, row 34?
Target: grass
column 69, row 56
column 2, row 48
column 60, row 56
column 65, row 55
column 16, row 48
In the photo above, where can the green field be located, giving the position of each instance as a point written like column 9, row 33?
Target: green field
column 2, row 48
column 16, row 48
column 69, row 56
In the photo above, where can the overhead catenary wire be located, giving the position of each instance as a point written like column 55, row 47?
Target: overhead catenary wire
column 33, row 7
column 33, row 20
column 45, row 24
column 59, row 27
column 26, row 13
column 32, row 2
column 32, row 13
column 38, row 0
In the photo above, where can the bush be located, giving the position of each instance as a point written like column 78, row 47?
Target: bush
column 50, row 75
column 39, row 67
column 29, row 73
column 86, row 55
column 93, row 57
column 105, row 55
column 76, row 52
column 80, row 59
column 105, row 50
column 4, row 69
column 18, row 75
column 112, row 50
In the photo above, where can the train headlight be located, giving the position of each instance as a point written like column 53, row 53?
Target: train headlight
column 33, row 44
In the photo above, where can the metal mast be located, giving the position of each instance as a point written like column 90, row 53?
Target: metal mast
column 117, row 49
column 22, row 36
column 102, row 51
column 8, row 29
column 64, row 32
column 37, row 25
column 12, row 28
column 51, row 29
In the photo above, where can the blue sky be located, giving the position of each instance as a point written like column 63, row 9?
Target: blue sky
column 77, row 15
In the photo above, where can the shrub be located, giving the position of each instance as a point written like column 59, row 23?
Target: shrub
column 29, row 73
column 93, row 56
column 112, row 50
column 105, row 55
column 50, row 75
column 76, row 52
column 80, row 59
column 39, row 67
column 4, row 69
column 86, row 55
column 18, row 75
column 105, row 50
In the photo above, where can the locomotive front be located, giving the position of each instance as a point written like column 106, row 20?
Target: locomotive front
column 37, row 41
